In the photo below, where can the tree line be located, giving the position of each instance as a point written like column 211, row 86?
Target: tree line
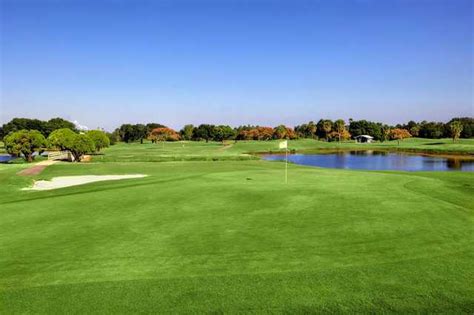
column 27, row 136
column 203, row 132
column 324, row 129
column 23, row 136
column 45, row 127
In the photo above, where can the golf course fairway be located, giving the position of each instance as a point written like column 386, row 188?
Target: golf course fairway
column 229, row 236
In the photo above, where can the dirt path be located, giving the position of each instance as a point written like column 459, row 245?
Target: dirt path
column 36, row 169
column 225, row 147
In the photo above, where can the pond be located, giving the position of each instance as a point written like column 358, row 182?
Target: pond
column 5, row 158
column 379, row 160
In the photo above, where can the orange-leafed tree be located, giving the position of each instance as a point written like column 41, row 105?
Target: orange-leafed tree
column 243, row 135
column 258, row 133
column 399, row 134
column 264, row 133
column 163, row 134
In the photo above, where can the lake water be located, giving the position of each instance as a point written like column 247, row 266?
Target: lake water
column 378, row 160
column 5, row 158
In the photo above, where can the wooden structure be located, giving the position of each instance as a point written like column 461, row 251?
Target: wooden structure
column 60, row 156
column 364, row 139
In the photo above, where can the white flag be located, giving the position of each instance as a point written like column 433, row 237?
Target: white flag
column 283, row 144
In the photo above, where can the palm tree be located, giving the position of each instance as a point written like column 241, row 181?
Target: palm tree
column 456, row 129
column 340, row 127
column 327, row 126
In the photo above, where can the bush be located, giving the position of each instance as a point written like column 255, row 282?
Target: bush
column 399, row 134
column 99, row 138
column 163, row 134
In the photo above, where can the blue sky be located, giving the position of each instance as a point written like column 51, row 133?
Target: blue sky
column 104, row 63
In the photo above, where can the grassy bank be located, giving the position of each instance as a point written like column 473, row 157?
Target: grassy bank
column 243, row 150
column 442, row 146
column 227, row 236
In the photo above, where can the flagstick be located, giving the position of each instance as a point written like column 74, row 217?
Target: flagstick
column 286, row 165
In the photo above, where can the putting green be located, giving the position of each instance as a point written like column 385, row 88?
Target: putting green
column 231, row 236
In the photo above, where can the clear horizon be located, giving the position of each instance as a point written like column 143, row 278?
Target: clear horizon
column 106, row 63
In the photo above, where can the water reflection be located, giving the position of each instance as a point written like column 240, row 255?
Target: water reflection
column 379, row 160
column 455, row 163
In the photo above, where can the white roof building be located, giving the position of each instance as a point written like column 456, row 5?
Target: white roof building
column 364, row 138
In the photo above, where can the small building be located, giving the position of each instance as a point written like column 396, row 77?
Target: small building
column 364, row 139
column 60, row 156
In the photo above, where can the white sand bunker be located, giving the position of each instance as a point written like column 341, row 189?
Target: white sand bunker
column 67, row 181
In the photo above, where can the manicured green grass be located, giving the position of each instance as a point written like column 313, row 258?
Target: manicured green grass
column 172, row 151
column 230, row 236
